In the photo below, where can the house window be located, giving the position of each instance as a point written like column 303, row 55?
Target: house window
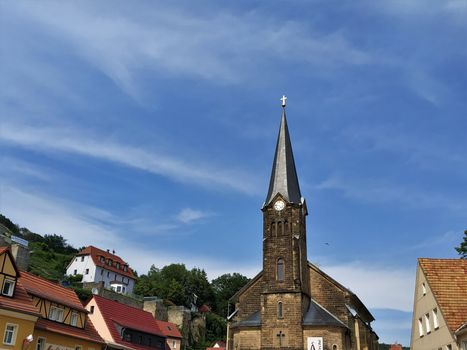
column 40, row 344
column 449, row 347
column 280, row 269
column 8, row 287
column 92, row 309
column 82, row 258
column 435, row 319
column 102, row 272
column 174, row 344
column 75, row 272
column 9, row 338
column 101, row 259
column 420, row 327
column 74, row 319
column 279, row 309
column 108, row 273
column 87, row 272
column 119, row 289
column 109, row 262
column 56, row 314
column 125, row 268
column 424, row 288
column 427, row 323
column 334, row 347
column 118, row 265
column 78, row 347
column 123, row 289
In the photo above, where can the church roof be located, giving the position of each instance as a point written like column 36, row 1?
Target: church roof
column 317, row 315
column 284, row 178
column 254, row 320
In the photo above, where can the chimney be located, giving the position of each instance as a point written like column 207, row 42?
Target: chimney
column 108, row 250
column 113, row 252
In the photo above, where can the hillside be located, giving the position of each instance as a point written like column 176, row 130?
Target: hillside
column 50, row 254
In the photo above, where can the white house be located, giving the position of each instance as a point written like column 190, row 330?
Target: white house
column 97, row 265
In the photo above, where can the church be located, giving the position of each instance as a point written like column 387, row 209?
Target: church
column 292, row 304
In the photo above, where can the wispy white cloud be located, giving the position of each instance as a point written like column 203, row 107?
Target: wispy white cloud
column 84, row 225
column 189, row 215
column 454, row 8
column 174, row 167
column 219, row 47
column 377, row 191
column 377, row 286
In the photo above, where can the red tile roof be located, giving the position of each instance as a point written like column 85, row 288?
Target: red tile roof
column 95, row 253
column 447, row 279
column 87, row 333
column 20, row 301
column 42, row 288
column 114, row 313
column 169, row 329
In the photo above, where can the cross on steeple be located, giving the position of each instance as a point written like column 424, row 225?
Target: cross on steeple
column 280, row 335
column 283, row 99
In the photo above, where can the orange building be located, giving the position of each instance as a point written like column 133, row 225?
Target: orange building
column 18, row 315
column 41, row 315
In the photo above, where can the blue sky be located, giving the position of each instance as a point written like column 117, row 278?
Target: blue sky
column 150, row 129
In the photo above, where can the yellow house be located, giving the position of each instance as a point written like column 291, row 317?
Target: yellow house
column 18, row 315
column 63, row 323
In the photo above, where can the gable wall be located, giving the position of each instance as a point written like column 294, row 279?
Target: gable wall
column 329, row 295
column 250, row 301
column 424, row 304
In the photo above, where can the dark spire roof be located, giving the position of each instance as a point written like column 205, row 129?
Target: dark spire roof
column 284, row 178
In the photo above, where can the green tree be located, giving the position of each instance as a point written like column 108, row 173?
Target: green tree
column 216, row 327
column 9, row 224
column 224, row 288
column 176, row 284
column 462, row 248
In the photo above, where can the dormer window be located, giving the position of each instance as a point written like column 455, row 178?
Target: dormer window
column 125, row 268
column 118, row 265
column 56, row 314
column 101, row 259
column 109, row 262
column 74, row 319
column 8, row 287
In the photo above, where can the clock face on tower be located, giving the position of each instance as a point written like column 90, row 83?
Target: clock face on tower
column 279, row 205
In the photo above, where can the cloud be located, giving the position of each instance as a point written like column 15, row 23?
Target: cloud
column 188, row 215
column 84, row 225
column 220, row 47
column 377, row 287
column 66, row 140
column 374, row 191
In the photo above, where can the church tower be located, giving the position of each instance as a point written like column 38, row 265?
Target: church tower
column 285, row 294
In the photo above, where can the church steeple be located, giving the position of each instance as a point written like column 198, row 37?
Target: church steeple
column 284, row 178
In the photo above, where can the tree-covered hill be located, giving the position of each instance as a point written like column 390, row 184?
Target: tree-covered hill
column 50, row 254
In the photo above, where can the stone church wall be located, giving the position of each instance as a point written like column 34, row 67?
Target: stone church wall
column 250, row 300
column 247, row 340
column 331, row 337
column 328, row 295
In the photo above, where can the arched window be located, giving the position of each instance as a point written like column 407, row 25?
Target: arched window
column 280, row 269
column 286, row 227
column 334, row 347
column 273, row 229
column 280, row 230
column 279, row 309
